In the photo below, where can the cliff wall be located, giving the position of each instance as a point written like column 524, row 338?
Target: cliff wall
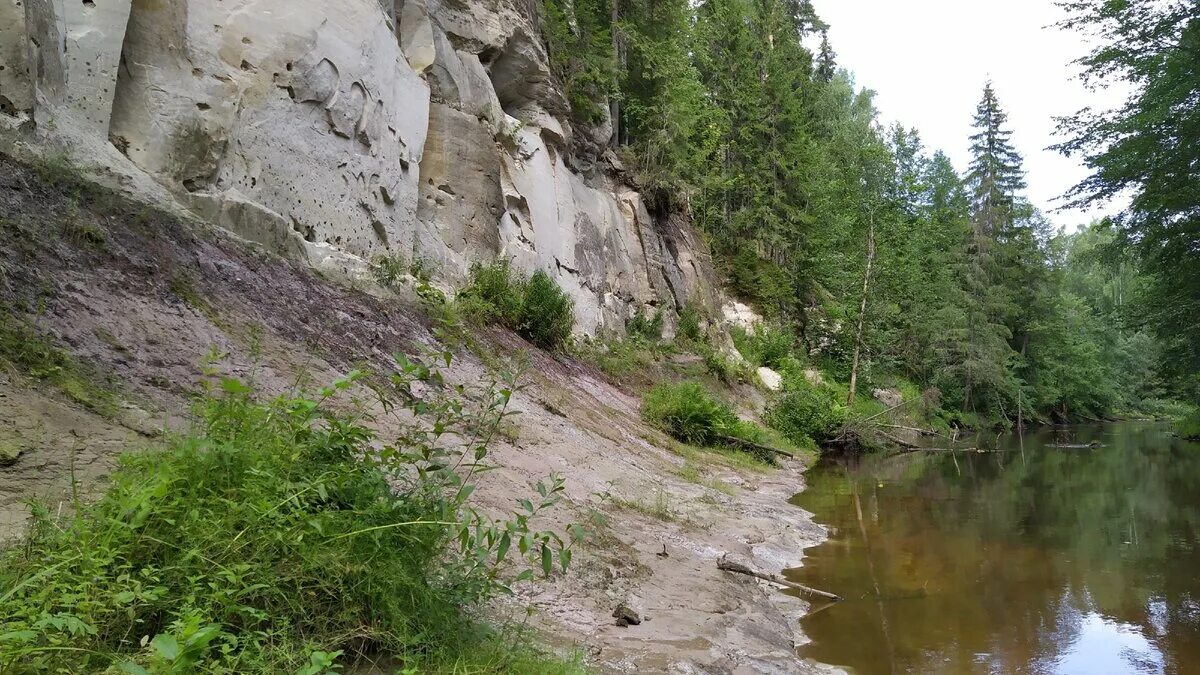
column 338, row 132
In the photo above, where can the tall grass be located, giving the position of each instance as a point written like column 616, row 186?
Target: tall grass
column 280, row 536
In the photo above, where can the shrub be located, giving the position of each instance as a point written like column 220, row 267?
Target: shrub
column 724, row 368
column 647, row 328
column 689, row 324
column 389, row 270
column 767, row 346
column 547, row 313
column 536, row 308
column 689, row 413
column 1189, row 427
column 804, row 414
column 278, row 537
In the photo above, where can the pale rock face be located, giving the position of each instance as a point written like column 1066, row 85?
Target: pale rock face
column 315, row 115
column 16, row 87
column 73, row 52
column 460, row 202
column 889, row 397
column 741, row 315
column 770, row 379
column 334, row 132
column 416, row 34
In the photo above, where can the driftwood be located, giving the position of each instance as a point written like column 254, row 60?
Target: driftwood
column 898, row 441
column 923, row 432
column 728, row 566
column 753, row 446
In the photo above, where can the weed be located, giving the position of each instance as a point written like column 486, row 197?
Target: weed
column 183, row 286
column 279, row 536
column 805, row 414
column 80, row 231
column 389, row 270
column 766, row 346
column 1189, row 427
column 660, row 509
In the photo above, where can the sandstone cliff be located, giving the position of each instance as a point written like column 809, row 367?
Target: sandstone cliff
column 337, row 132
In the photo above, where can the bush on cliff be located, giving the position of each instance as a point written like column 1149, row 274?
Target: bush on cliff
column 282, row 537
column 536, row 308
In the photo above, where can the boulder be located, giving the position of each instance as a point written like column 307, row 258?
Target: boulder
column 770, row 379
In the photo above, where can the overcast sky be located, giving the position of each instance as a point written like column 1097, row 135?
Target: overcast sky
column 928, row 59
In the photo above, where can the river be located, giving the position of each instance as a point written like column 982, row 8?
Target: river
column 1030, row 559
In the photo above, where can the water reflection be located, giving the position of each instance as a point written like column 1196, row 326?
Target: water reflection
column 1025, row 560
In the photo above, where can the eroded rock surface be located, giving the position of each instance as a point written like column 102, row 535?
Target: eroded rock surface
column 416, row 128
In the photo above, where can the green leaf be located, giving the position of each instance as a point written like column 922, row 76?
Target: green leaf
column 167, row 646
column 547, row 560
column 502, row 550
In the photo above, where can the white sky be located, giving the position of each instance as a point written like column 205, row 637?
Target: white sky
column 928, row 59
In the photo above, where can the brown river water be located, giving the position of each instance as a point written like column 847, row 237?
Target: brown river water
column 1031, row 559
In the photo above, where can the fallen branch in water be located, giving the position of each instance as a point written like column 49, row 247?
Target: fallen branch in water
column 923, row 432
column 737, row 568
column 733, row 440
column 898, row 441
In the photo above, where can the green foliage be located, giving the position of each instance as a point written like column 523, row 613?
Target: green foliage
column 645, row 327
column 761, row 282
column 1145, row 153
column 1189, row 427
column 281, row 536
column 688, row 329
column 690, row 413
column 547, row 313
column 389, row 270
column 768, row 345
column 536, row 308
column 805, row 414
column 725, row 368
column 579, row 37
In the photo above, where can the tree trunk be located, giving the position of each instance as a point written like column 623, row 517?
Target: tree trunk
column 862, row 311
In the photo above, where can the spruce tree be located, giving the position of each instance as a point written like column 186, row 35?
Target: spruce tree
column 995, row 174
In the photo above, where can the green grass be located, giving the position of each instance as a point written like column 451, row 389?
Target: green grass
column 280, row 537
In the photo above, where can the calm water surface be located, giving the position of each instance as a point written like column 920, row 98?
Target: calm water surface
column 1027, row 560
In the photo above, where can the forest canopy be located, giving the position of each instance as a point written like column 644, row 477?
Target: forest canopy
column 876, row 251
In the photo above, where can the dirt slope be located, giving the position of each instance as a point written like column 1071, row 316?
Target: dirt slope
column 144, row 298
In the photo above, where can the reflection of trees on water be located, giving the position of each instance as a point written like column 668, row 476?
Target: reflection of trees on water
column 1005, row 553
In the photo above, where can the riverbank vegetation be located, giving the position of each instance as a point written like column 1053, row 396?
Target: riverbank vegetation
column 874, row 255
column 286, row 535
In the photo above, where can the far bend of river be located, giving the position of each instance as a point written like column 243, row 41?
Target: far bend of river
column 1029, row 560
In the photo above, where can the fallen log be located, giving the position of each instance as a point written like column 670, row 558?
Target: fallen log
column 923, row 432
column 734, row 440
column 898, row 441
column 737, row 568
